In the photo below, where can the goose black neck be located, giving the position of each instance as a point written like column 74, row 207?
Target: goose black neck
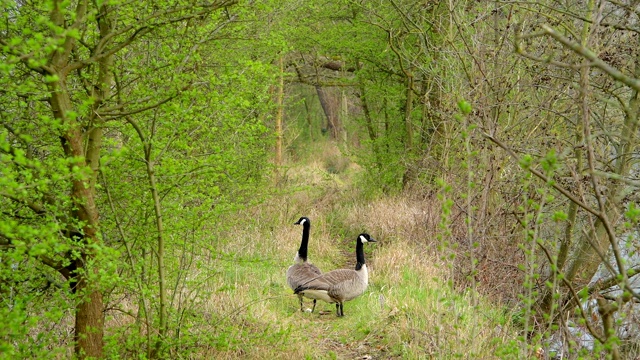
column 359, row 255
column 302, row 252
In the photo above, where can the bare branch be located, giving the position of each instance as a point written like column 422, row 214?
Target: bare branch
column 580, row 17
column 543, row 177
column 625, row 6
column 593, row 58
column 618, row 177
column 611, row 281
column 574, row 295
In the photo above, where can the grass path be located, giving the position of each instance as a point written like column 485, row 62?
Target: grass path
column 408, row 312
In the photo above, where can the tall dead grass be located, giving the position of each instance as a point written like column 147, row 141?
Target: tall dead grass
column 398, row 217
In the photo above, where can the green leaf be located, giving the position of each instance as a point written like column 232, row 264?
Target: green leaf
column 560, row 216
column 464, row 106
column 526, row 161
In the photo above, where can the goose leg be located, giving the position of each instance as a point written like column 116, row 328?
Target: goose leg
column 341, row 309
column 338, row 309
column 301, row 304
column 314, row 305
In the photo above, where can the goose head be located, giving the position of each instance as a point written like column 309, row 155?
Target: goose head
column 365, row 238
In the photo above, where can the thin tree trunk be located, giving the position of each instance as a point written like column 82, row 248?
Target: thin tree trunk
column 368, row 120
column 344, row 114
column 162, row 331
column 408, row 109
column 309, row 122
column 158, row 351
column 279, row 114
column 587, row 259
column 89, row 320
column 387, row 122
column 572, row 212
column 409, row 173
column 365, row 108
column 142, row 317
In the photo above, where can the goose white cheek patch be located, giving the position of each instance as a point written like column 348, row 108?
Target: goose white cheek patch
column 363, row 239
column 303, row 221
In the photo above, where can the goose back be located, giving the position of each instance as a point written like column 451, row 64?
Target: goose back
column 300, row 273
column 337, row 285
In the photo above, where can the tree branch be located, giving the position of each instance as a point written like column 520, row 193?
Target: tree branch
column 543, row 177
column 36, row 207
column 111, row 116
column 593, row 58
column 574, row 295
column 24, row 58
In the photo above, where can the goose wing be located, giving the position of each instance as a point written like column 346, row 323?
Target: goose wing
column 299, row 274
column 327, row 281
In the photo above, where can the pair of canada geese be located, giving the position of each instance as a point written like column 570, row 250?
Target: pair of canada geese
column 337, row 286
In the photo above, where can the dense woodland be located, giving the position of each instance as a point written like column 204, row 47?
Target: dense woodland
column 155, row 155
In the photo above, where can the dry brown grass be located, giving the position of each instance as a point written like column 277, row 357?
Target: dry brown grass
column 398, row 217
column 416, row 221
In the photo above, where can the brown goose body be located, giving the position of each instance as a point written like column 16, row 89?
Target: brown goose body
column 340, row 285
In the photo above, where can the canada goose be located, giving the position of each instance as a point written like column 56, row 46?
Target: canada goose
column 340, row 285
column 302, row 271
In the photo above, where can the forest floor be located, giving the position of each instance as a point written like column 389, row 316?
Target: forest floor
column 411, row 310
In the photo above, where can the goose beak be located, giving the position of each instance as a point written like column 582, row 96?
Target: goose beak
column 371, row 240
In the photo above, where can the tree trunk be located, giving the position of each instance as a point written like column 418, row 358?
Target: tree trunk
column 344, row 114
column 365, row 108
column 89, row 321
column 408, row 109
column 89, row 327
column 162, row 331
column 329, row 107
column 309, row 119
column 279, row 114
column 409, row 172
column 368, row 120
column 586, row 260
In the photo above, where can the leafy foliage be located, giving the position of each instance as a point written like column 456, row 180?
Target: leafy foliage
column 132, row 130
column 146, row 85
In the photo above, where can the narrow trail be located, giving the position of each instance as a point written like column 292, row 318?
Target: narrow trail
column 338, row 189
